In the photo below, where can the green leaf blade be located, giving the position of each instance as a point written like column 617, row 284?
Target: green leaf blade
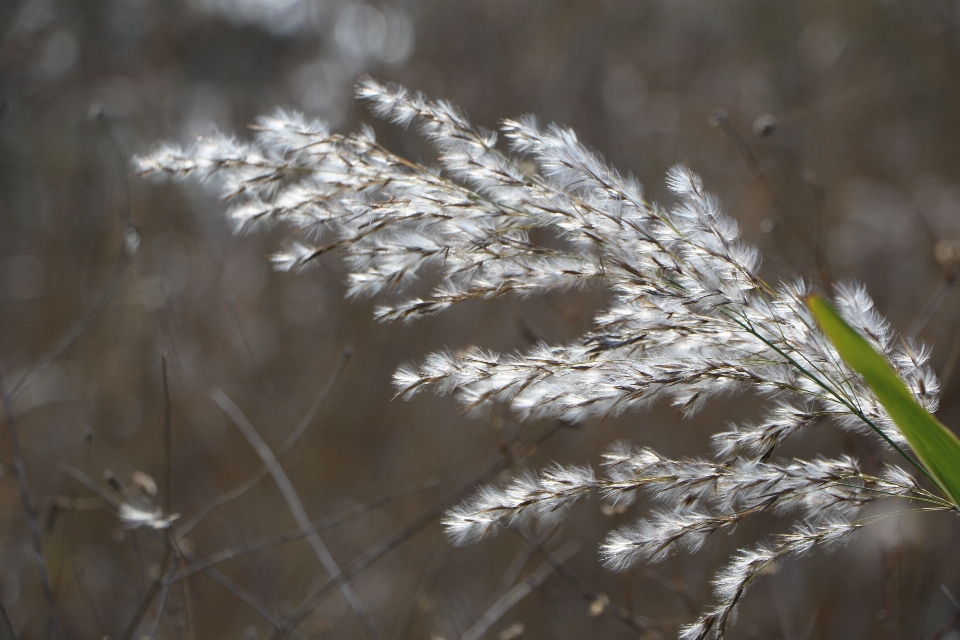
column 936, row 447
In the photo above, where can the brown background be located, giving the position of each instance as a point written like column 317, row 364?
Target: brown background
column 867, row 97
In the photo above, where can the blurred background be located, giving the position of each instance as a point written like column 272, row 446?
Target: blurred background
column 830, row 130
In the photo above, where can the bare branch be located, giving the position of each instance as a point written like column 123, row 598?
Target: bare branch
column 296, row 507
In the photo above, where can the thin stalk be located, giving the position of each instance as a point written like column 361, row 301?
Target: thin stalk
column 7, row 625
column 297, row 534
column 392, row 541
column 28, row 508
column 296, row 509
column 641, row 627
column 856, row 410
column 291, row 440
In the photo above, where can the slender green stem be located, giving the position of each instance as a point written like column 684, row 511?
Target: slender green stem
column 845, row 402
